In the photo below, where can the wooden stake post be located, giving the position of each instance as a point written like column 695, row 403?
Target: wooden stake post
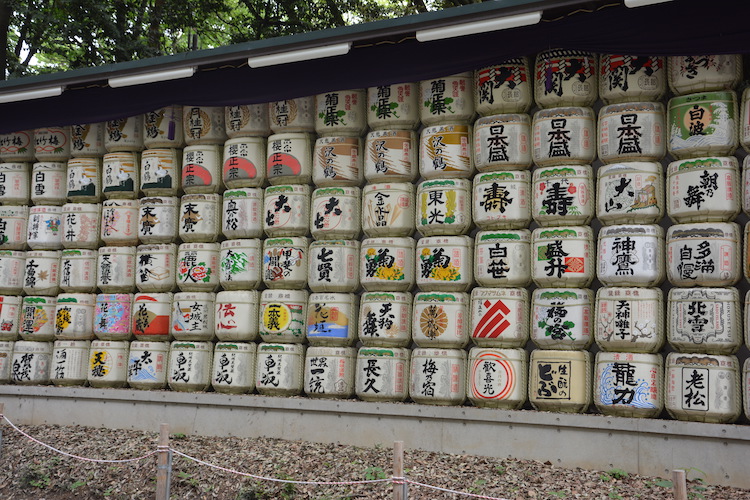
column 163, row 464
column 399, row 489
column 680, row 484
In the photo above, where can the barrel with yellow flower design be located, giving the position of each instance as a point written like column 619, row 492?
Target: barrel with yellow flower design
column 444, row 263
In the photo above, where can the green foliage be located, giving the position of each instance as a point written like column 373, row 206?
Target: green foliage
column 618, row 473
column 373, row 473
column 35, row 476
column 477, row 487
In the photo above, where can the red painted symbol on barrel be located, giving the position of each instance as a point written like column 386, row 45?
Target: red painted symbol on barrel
column 493, row 322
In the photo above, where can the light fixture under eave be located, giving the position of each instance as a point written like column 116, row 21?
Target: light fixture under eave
column 338, row 49
column 632, row 4
column 473, row 28
column 151, row 77
column 27, row 95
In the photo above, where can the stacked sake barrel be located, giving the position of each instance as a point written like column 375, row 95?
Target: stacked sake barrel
column 703, row 246
column 629, row 315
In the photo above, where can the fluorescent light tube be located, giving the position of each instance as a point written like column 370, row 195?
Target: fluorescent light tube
column 291, row 56
column 152, row 77
column 641, row 3
column 473, row 28
column 27, row 95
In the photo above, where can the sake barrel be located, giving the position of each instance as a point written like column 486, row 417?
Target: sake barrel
column 341, row 112
column 203, row 125
column 240, row 264
column 81, row 225
column 447, row 99
column 702, row 125
column 12, row 269
column 632, row 131
column 70, row 362
column 244, row 162
column 702, row 73
column 156, row 267
column 74, row 316
column 201, row 168
column 247, row 120
column 746, row 386
column 703, row 387
column 120, row 179
column 119, row 223
column 438, row 376
column 629, row 319
column 52, row 144
column 242, row 216
column 283, row 316
column 157, row 221
column 443, row 207
column 441, row 319
column 10, row 317
column 329, row 372
column 562, row 256
column 560, row 381
column 380, row 374
column 287, row 210
column 394, row 106
column 387, row 264
column 337, row 161
column 13, row 224
column 112, row 317
column 565, row 77
column 17, row 146
column 502, row 200
column 160, row 168
column 49, row 183
column 43, row 230
column 332, row 319
column 563, row 195
column 163, row 128
column 199, row 218
column 444, row 263
column 279, row 369
column 333, row 266
column 703, row 254
column 152, row 316
column 630, row 193
column 445, row 151
column 500, row 317
column 502, row 142
column 15, row 179
column 236, row 315
column 391, row 156
column 388, row 209
column 108, row 363
column 190, row 366
column 628, row 78
column 292, row 115
column 6, row 361
column 31, row 362
column 147, row 365
column 629, row 384
column 503, row 87
column 38, row 318
column 285, row 262
column 705, row 320
column 116, row 269
column 289, row 158
column 744, row 129
column 561, row 318
column 501, row 258
column 124, row 134
column 234, row 367
column 78, row 270
column 198, row 267
column 193, row 316
column 631, row 255
column 335, row 213
column 497, row 378
column 385, row 319
column 703, row 190
column 84, row 180
column 564, row 136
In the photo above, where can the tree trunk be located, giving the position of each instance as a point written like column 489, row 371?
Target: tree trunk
column 5, row 13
